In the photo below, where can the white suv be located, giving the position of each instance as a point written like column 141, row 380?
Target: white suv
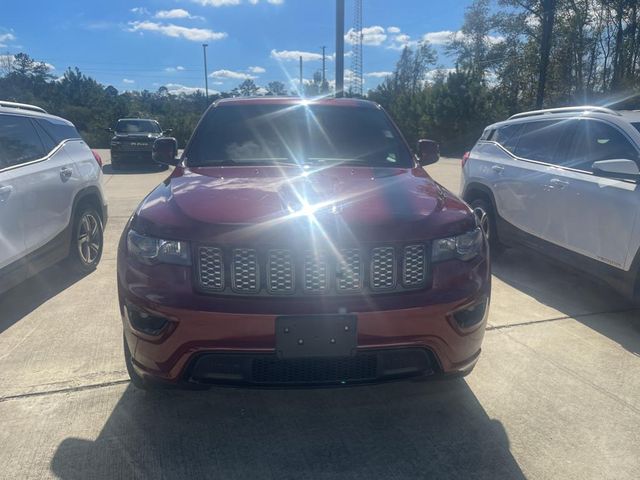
column 563, row 181
column 52, row 205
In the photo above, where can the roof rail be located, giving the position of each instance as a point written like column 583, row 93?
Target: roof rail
column 22, row 106
column 584, row 108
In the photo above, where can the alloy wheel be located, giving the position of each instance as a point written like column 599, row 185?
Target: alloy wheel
column 89, row 239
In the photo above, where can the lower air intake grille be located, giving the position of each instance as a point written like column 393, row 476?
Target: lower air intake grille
column 314, row 370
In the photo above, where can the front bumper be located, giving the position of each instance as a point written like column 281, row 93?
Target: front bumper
column 122, row 154
column 208, row 339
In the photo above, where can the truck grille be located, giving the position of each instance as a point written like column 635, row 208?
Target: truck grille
column 283, row 271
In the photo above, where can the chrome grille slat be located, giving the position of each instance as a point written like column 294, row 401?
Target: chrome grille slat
column 383, row 268
column 244, row 270
column 414, row 269
column 280, row 271
column 211, row 265
column 349, row 270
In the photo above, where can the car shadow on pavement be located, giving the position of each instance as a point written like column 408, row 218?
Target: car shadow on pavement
column 571, row 292
column 398, row 430
column 107, row 169
column 19, row 301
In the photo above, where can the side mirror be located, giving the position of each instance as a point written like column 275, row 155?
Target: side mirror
column 428, row 152
column 165, row 151
column 167, row 131
column 110, row 130
column 622, row 168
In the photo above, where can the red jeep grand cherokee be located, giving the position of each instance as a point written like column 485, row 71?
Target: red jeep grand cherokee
column 300, row 242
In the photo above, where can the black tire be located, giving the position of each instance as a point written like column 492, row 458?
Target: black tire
column 486, row 216
column 136, row 379
column 87, row 240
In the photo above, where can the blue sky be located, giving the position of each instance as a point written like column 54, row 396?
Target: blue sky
column 149, row 43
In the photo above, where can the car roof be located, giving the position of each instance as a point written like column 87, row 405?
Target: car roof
column 288, row 101
column 627, row 116
column 33, row 113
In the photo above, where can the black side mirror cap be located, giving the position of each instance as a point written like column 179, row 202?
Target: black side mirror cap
column 165, row 151
column 428, row 152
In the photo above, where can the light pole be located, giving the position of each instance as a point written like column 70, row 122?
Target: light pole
column 339, row 48
column 206, row 80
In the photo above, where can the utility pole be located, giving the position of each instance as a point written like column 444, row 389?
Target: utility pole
column 339, row 48
column 324, row 57
column 206, row 79
column 301, row 81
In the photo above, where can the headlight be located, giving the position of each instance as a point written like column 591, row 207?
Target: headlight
column 152, row 250
column 461, row 247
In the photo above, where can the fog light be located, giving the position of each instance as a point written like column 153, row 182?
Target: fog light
column 470, row 316
column 145, row 322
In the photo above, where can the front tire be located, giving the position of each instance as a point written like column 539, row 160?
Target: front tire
column 87, row 240
column 486, row 216
column 136, row 379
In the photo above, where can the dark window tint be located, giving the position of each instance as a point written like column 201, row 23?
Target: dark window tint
column 594, row 141
column 507, row 136
column 46, row 139
column 486, row 135
column 297, row 134
column 637, row 126
column 539, row 140
column 19, row 142
column 58, row 131
column 137, row 126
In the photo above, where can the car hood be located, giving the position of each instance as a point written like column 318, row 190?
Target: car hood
column 269, row 204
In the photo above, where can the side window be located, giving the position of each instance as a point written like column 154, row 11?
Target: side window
column 46, row 139
column 539, row 140
column 59, row 131
column 507, row 136
column 594, row 141
column 19, row 141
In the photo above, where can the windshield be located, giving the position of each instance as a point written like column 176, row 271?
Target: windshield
column 137, row 126
column 268, row 134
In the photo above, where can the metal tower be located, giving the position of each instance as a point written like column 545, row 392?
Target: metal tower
column 356, row 81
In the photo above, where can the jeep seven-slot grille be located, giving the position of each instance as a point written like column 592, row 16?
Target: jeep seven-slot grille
column 281, row 271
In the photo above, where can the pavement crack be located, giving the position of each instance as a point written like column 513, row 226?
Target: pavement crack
column 556, row 319
column 78, row 388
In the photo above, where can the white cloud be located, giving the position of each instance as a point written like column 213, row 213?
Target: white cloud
column 176, row 31
column 179, row 68
column 373, row 36
column 230, row 74
column 6, row 37
column 178, row 89
column 272, row 2
column 445, row 36
column 393, row 30
column 49, row 66
column 176, row 13
column 256, row 69
column 140, row 10
column 217, row 3
column 294, row 55
column 378, row 74
column 440, row 38
column 128, row 81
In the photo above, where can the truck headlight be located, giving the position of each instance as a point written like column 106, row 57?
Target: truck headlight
column 461, row 247
column 151, row 250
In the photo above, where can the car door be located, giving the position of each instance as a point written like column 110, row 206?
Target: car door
column 20, row 146
column 521, row 181
column 598, row 214
column 56, row 180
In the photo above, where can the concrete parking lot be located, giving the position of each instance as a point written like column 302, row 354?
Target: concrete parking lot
column 556, row 393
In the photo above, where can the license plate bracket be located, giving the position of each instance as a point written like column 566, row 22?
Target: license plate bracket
column 305, row 336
